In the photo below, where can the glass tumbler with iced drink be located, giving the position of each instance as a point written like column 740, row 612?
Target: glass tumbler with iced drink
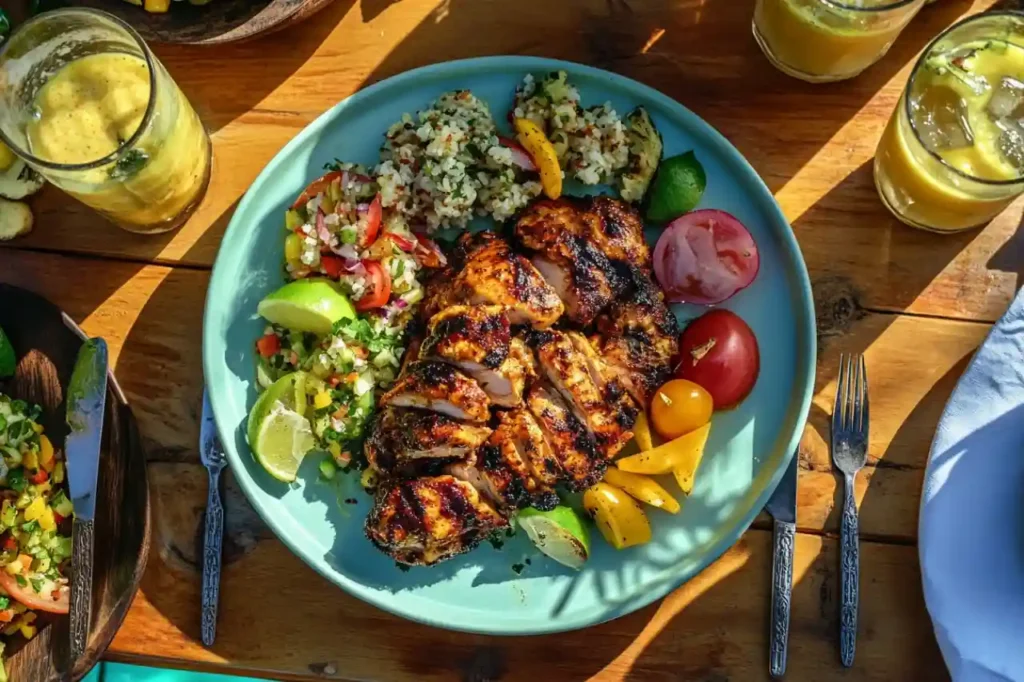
column 952, row 155
column 829, row 40
column 85, row 103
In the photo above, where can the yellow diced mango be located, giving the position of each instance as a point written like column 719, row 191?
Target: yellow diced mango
column 157, row 6
column 35, row 509
column 31, row 460
column 47, row 521
column 293, row 248
column 45, row 452
column 322, row 400
column 28, row 631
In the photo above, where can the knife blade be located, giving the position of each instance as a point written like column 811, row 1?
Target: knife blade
column 212, row 454
column 86, row 404
column 782, row 506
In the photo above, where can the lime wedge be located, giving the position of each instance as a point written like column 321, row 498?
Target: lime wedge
column 289, row 392
column 307, row 305
column 282, row 441
column 8, row 361
column 559, row 533
column 678, row 186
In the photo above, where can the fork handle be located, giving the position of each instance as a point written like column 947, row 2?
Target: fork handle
column 850, row 576
column 212, row 541
column 782, row 592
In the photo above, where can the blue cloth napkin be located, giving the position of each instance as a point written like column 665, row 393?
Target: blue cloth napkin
column 971, row 528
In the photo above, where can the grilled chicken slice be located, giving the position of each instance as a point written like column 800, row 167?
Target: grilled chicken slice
column 583, row 277
column 470, row 337
column 407, row 442
column 439, row 387
column 616, row 230
column 571, row 372
column 638, row 339
column 567, row 438
column 493, row 275
column 501, row 468
column 425, row 520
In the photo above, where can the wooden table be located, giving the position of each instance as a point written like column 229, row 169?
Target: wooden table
column 916, row 304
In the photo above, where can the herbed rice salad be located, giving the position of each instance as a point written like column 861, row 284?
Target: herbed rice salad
column 369, row 230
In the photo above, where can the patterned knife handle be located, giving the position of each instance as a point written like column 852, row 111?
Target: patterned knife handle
column 82, row 535
column 850, row 576
column 782, row 591
column 212, row 541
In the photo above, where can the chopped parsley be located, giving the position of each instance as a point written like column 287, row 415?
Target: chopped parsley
column 129, row 164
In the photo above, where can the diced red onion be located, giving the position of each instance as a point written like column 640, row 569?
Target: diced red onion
column 321, row 228
column 401, row 303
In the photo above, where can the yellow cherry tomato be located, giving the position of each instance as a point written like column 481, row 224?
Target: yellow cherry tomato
column 642, row 433
column 684, row 452
column 642, row 488
column 619, row 517
column 543, row 153
column 680, row 406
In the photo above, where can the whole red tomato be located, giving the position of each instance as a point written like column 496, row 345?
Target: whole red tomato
column 718, row 351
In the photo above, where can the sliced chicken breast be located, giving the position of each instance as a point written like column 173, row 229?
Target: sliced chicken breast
column 568, row 439
column 439, row 387
column 407, row 442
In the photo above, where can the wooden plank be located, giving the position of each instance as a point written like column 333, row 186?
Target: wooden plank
column 151, row 316
column 813, row 145
column 713, row 628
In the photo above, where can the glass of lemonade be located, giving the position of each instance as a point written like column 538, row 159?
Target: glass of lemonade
column 952, row 156
column 86, row 104
column 829, row 40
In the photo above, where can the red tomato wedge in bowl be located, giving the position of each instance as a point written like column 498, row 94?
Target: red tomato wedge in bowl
column 32, row 599
column 705, row 257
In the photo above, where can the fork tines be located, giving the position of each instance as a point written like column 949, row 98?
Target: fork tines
column 850, row 412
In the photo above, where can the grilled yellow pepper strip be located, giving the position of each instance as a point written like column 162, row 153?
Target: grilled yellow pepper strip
column 683, row 453
column 642, row 433
column 158, row 6
column 540, row 149
column 619, row 517
column 642, row 488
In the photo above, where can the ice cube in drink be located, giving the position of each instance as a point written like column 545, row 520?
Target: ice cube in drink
column 952, row 156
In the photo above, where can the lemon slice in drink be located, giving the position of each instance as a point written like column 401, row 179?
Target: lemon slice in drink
column 307, row 305
column 559, row 533
column 279, row 435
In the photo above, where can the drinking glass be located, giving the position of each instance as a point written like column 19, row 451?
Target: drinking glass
column 952, row 156
column 829, row 40
column 85, row 103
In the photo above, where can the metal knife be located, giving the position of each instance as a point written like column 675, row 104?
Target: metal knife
column 782, row 507
column 212, row 454
column 87, row 398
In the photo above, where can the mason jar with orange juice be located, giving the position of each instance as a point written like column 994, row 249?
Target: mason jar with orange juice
column 829, row 40
column 952, row 155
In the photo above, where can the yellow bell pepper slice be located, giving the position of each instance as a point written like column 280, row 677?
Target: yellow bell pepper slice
column 682, row 453
column 35, row 509
column 321, row 400
column 158, row 6
column 543, row 153
column 293, row 249
column 642, row 488
column 642, row 433
column 30, row 460
column 45, row 453
column 619, row 517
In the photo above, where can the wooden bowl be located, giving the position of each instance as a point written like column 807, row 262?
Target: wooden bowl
column 219, row 21
column 46, row 343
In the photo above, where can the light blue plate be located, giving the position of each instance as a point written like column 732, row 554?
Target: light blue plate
column 479, row 592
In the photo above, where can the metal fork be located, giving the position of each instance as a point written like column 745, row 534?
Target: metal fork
column 212, row 455
column 849, row 452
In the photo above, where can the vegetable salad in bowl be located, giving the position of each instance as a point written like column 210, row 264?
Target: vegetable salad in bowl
column 35, row 541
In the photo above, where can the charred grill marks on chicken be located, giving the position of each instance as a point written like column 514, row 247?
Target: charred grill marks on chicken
column 497, row 406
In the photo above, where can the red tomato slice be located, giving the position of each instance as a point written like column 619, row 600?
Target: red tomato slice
column 268, row 345
column 380, row 291
column 401, row 242
column 32, row 599
column 705, row 257
column 373, row 221
column 316, row 187
column 333, row 265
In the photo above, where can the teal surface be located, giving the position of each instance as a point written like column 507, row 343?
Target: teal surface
column 749, row 446
column 118, row 672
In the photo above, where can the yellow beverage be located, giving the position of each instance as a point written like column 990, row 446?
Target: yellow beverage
column 952, row 156
column 91, row 109
column 828, row 40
